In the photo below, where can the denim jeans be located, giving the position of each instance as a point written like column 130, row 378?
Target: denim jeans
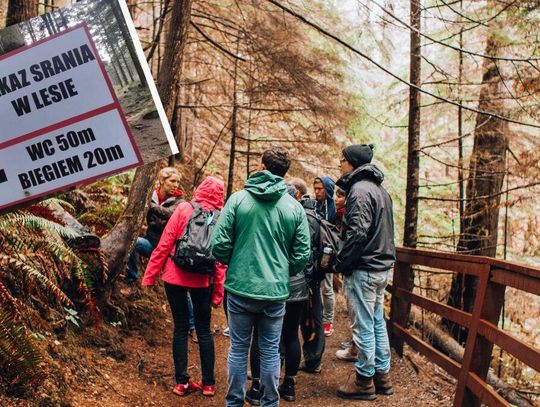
column 142, row 247
column 244, row 314
column 365, row 297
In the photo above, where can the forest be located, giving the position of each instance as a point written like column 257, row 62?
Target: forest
column 447, row 91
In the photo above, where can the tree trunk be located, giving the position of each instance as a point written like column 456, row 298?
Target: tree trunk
column 21, row 10
column 484, row 184
column 234, row 126
column 118, row 243
column 410, row 234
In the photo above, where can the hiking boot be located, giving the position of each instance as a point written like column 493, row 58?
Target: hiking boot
column 286, row 390
column 346, row 344
column 328, row 329
column 185, row 389
column 314, row 370
column 362, row 388
column 348, row 355
column 253, row 395
column 383, row 385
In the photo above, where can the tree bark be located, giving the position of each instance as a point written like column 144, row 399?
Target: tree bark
column 410, row 234
column 234, row 125
column 487, row 170
column 118, row 243
column 21, row 10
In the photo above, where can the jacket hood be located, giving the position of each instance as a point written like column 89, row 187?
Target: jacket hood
column 210, row 193
column 369, row 172
column 266, row 186
column 329, row 186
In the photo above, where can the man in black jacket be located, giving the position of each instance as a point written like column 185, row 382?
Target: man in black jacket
column 367, row 255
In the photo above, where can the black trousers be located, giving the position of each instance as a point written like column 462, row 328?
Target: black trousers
column 202, row 300
column 312, row 329
column 290, row 342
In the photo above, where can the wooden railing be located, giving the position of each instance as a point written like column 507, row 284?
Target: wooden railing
column 493, row 278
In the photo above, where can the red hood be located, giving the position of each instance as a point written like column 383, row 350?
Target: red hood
column 210, row 193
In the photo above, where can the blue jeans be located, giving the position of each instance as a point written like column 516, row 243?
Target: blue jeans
column 267, row 316
column 365, row 299
column 142, row 247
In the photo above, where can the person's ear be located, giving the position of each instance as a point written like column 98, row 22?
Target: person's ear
column 262, row 167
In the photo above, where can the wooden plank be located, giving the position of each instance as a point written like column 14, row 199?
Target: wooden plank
column 474, row 355
column 439, row 358
column 516, row 268
column 485, row 392
column 459, row 317
column 444, row 263
column 524, row 352
column 519, row 281
column 399, row 308
column 444, row 255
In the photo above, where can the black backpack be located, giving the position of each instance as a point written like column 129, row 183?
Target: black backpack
column 193, row 250
column 329, row 236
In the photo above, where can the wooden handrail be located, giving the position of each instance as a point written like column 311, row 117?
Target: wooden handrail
column 493, row 277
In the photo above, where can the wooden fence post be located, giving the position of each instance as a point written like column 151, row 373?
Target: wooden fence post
column 400, row 308
column 478, row 351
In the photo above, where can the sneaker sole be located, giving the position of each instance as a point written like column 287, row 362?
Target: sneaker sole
column 288, row 398
column 366, row 397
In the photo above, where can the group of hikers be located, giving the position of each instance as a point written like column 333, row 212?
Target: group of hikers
column 271, row 255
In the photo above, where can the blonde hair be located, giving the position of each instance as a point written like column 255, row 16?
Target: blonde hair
column 166, row 173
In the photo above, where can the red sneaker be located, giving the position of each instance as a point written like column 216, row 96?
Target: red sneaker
column 185, row 389
column 208, row 390
column 328, row 329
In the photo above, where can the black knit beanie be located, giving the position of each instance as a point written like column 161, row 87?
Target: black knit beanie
column 358, row 154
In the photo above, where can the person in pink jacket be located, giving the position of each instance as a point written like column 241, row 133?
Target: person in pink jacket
column 205, row 291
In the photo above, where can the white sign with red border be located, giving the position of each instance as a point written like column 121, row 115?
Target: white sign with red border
column 61, row 123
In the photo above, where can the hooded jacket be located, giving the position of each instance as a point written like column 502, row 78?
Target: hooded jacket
column 263, row 235
column 327, row 209
column 210, row 196
column 368, row 225
column 159, row 214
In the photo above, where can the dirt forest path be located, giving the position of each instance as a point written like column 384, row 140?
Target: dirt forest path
column 145, row 378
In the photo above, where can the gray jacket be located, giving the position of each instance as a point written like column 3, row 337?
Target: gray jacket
column 368, row 225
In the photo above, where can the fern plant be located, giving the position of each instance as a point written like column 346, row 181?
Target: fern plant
column 37, row 267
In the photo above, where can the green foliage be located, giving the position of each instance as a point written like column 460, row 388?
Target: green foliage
column 38, row 272
column 19, row 355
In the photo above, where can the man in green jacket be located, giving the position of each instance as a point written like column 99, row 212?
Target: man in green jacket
column 263, row 235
